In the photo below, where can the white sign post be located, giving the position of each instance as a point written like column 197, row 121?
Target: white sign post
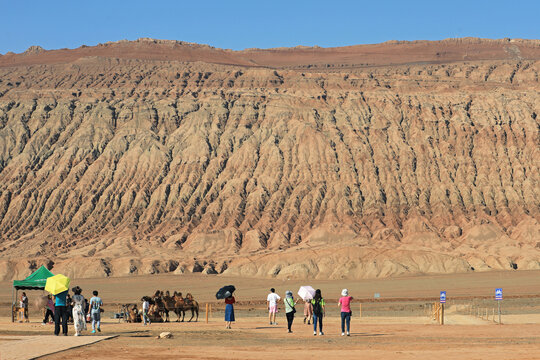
column 442, row 301
column 499, row 297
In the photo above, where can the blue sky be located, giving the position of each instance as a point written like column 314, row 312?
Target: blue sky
column 264, row 24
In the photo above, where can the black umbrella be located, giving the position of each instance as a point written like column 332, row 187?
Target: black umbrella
column 224, row 290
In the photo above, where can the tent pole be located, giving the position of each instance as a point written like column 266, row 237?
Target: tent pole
column 13, row 296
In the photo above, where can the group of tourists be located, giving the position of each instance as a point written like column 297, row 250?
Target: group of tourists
column 62, row 307
column 314, row 310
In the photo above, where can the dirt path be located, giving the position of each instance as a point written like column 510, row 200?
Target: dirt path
column 31, row 347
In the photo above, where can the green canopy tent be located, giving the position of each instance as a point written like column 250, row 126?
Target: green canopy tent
column 36, row 281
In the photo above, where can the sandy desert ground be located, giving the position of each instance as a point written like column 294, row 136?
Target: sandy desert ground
column 396, row 326
column 253, row 338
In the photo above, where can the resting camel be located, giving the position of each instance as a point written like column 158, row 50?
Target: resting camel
column 131, row 313
column 159, row 307
column 153, row 313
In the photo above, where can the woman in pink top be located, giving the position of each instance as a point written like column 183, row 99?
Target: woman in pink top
column 345, row 304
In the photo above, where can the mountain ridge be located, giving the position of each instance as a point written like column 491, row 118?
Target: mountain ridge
column 392, row 52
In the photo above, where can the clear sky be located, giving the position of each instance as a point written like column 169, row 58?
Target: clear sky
column 243, row 24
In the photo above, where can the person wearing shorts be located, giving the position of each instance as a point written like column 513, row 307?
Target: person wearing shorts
column 272, row 300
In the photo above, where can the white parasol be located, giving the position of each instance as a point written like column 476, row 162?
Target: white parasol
column 306, row 292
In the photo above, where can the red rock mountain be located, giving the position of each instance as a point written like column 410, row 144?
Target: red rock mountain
column 157, row 156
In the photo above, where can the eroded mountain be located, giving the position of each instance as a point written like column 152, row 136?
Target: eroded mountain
column 287, row 166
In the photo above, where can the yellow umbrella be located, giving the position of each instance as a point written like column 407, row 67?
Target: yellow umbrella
column 57, row 284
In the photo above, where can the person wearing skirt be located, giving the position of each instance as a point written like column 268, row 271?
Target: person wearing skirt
column 79, row 318
column 229, row 310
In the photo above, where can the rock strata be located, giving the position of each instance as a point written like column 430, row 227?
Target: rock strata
column 113, row 166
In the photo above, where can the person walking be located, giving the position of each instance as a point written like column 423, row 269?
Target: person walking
column 289, row 309
column 145, row 309
column 79, row 317
column 346, row 313
column 60, row 313
column 318, row 311
column 49, row 310
column 229, row 309
column 95, row 311
column 272, row 300
column 308, row 311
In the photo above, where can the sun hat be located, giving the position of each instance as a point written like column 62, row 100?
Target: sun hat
column 344, row 292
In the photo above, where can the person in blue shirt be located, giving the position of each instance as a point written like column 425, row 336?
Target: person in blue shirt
column 95, row 311
column 60, row 313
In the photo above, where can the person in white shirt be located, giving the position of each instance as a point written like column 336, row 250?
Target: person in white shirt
column 272, row 301
column 145, row 309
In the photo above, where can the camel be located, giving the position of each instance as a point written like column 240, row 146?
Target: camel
column 183, row 304
column 160, row 304
column 169, row 304
column 153, row 313
column 131, row 313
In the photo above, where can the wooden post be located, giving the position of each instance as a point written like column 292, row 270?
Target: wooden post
column 207, row 313
column 442, row 314
column 360, row 312
column 210, row 311
column 13, row 302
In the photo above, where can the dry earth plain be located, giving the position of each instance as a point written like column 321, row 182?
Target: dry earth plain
column 151, row 156
column 395, row 326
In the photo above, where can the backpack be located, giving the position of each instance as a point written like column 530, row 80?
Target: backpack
column 317, row 308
